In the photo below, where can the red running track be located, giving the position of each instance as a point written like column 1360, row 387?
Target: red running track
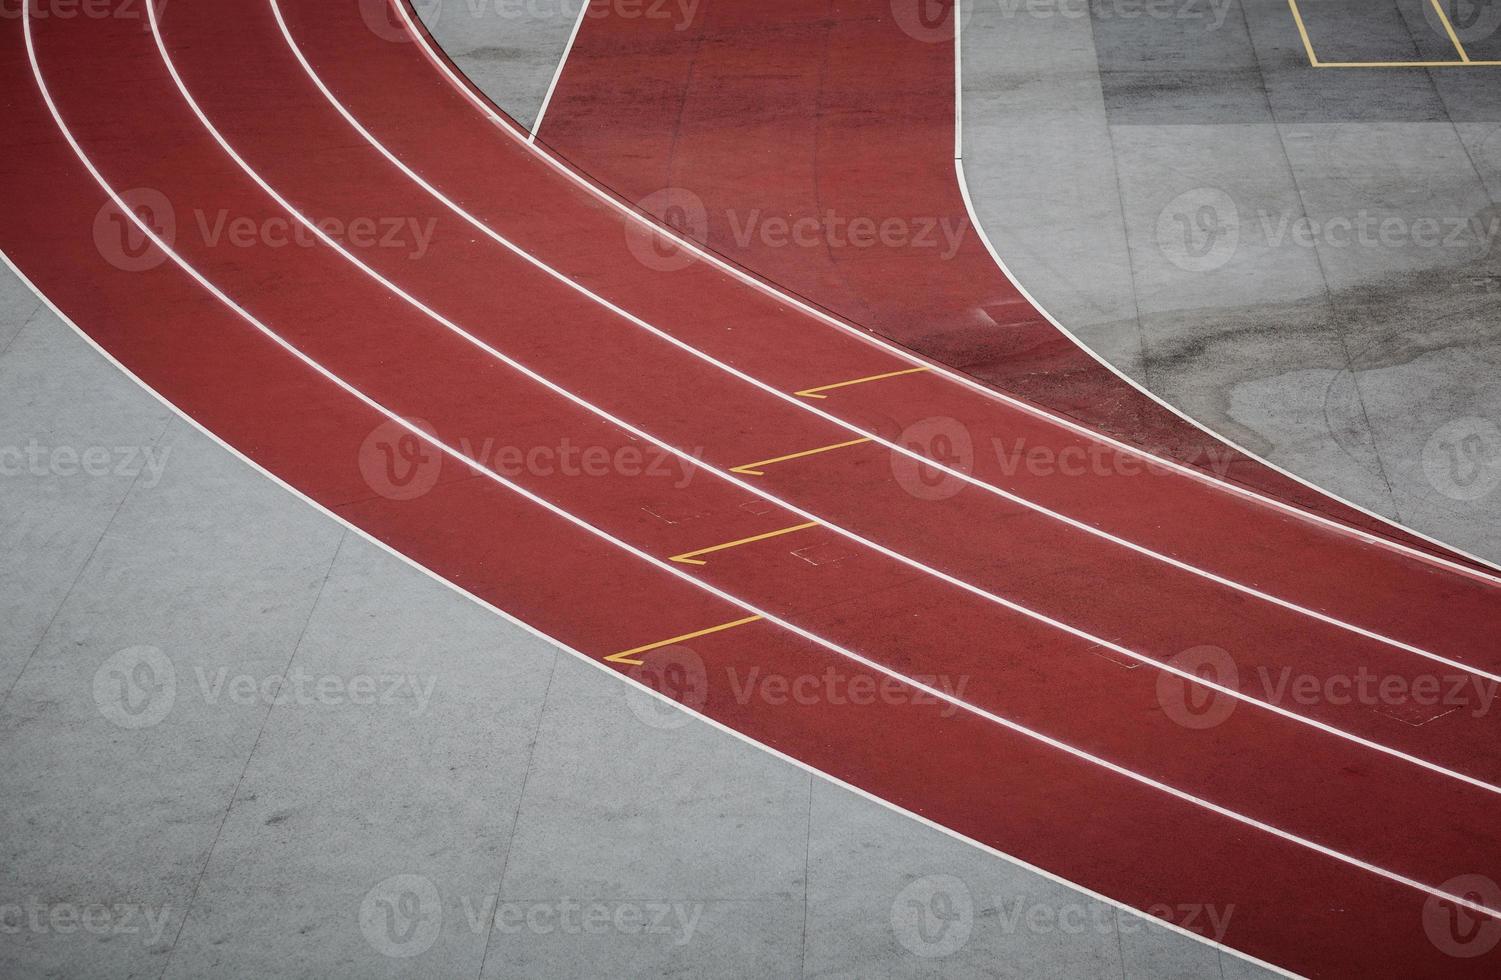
column 1331, row 835
column 748, row 112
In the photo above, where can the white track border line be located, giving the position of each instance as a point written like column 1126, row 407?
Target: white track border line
column 974, row 220
column 556, row 75
column 799, row 403
column 640, row 687
column 744, row 485
column 676, row 572
column 509, row 128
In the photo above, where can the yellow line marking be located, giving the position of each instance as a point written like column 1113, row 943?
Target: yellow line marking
column 1464, row 62
column 624, row 656
column 1449, row 26
column 1313, row 59
column 750, row 469
column 691, row 557
column 814, row 392
column 1407, row 64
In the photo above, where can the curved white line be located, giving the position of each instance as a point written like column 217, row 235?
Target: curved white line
column 802, row 404
column 507, row 126
column 664, row 566
column 995, row 255
column 639, row 686
column 727, row 477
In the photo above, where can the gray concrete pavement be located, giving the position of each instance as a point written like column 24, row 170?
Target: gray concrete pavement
column 509, row 48
column 1309, row 252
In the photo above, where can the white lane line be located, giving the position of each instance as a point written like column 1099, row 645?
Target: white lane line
column 679, row 573
column 689, row 460
column 597, row 664
column 995, row 255
column 942, row 370
column 558, row 73
column 804, row 406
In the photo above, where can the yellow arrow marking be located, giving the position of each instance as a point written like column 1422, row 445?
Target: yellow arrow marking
column 691, row 557
column 750, row 469
column 814, row 392
column 625, row 656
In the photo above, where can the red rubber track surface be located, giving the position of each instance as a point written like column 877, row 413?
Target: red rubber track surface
column 768, row 110
column 1286, row 903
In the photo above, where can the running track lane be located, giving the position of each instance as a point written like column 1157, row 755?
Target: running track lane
column 760, row 110
column 1254, row 547
column 1461, row 746
column 1158, row 517
column 759, row 522
column 433, row 526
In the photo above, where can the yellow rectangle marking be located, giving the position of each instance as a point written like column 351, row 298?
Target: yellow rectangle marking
column 753, row 469
column 691, row 557
column 625, row 656
column 814, row 392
